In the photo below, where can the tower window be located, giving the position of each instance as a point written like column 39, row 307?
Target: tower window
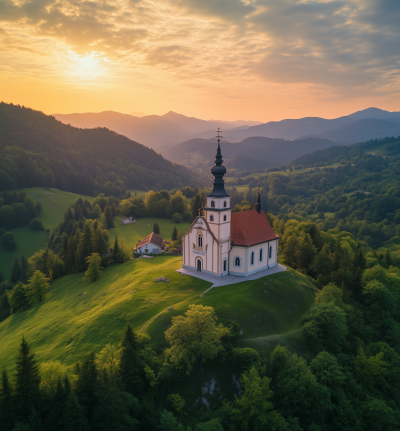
column 225, row 265
column 212, row 204
column 270, row 251
column 224, row 204
column 224, row 217
column 238, row 262
column 211, row 218
column 261, row 255
column 252, row 258
column 200, row 241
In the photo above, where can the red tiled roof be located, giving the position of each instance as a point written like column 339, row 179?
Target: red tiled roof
column 250, row 228
column 152, row 238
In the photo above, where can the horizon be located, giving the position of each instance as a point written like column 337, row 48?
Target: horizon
column 243, row 59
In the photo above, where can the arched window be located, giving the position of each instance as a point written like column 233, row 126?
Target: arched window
column 252, row 258
column 212, row 204
column 261, row 254
column 238, row 262
column 225, row 265
column 200, row 240
column 224, row 217
column 211, row 218
column 224, row 204
column 270, row 251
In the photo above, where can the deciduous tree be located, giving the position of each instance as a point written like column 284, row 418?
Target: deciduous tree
column 37, row 286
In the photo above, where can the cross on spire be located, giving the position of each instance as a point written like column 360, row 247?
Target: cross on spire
column 218, row 135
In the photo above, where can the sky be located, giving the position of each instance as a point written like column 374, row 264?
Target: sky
column 213, row 59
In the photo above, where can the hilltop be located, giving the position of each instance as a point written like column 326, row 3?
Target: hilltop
column 37, row 150
column 76, row 318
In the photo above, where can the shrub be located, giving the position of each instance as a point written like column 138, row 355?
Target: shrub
column 244, row 358
column 177, row 218
column 36, row 224
column 8, row 242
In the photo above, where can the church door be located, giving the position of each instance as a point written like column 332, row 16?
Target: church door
column 199, row 265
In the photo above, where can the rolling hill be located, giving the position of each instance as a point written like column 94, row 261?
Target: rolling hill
column 251, row 153
column 38, row 150
column 76, row 318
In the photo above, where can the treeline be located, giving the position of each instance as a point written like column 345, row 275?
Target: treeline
column 38, row 150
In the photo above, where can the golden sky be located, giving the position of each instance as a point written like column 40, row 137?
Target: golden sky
column 213, row 59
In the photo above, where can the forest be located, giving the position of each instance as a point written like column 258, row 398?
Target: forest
column 38, row 150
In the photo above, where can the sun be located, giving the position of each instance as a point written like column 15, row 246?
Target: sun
column 87, row 67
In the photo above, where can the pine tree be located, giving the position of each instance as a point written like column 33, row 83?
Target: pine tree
column 15, row 271
column 130, row 363
column 74, row 418
column 24, row 269
column 174, row 234
column 117, row 253
column 56, row 410
column 6, row 402
column 87, row 384
column 84, row 247
column 109, row 217
column 156, row 228
column 27, row 381
column 93, row 272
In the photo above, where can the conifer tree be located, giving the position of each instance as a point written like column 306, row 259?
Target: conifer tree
column 74, row 418
column 93, row 272
column 156, row 228
column 24, row 269
column 87, row 384
column 109, row 216
column 6, row 402
column 174, row 234
column 15, row 271
column 27, row 381
column 54, row 418
column 84, row 247
column 130, row 362
column 117, row 253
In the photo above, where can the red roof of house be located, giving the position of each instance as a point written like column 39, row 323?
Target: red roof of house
column 250, row 228
column 152, row 238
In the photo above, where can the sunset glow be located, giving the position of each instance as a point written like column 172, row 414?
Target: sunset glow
column 224, row 59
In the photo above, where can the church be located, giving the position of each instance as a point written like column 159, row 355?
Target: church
column 222, row 243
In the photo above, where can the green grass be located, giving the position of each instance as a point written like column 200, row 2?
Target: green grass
column 133, row 232
column 55, row 204
column 65, row 326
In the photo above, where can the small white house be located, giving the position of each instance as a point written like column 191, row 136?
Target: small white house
column 153, row 243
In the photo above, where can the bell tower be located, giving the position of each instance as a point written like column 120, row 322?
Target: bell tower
column 218, row 209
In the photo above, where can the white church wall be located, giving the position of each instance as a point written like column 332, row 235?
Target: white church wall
column 218, row 202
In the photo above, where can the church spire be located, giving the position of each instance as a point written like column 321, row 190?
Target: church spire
column 258, row 204
column 218, row 170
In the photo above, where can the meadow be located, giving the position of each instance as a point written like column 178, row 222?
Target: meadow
column 55, row 204
column 76, row 317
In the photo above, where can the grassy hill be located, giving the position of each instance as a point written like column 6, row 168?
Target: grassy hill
column 55, row 204
column 76, row 317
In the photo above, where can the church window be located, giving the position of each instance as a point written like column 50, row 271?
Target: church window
column 261, row 254
column 252, row 258
column 270, row 251
column 224, row 204
column 238, row 262
column 211, row 218
column 212, row 204
column 225, row 265
column 200, row 241
column 224, row 217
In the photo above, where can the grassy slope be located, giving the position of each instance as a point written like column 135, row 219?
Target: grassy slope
column 133, row 232
column 66, row 326
column 55, row 204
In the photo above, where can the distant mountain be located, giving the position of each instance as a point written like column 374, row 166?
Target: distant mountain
column 155, row 131
column 361, row 131
column 262, row 152
column 308, row 126
column 38, row 150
